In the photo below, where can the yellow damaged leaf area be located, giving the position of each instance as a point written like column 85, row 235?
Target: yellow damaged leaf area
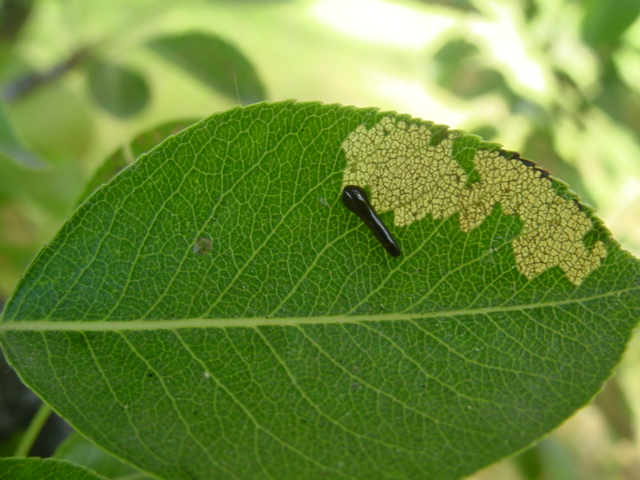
column 413, row 179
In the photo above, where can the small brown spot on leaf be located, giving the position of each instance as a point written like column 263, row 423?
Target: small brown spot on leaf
column 202, row 246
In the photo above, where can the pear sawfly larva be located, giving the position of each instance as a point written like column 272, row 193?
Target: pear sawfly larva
column 356, row 200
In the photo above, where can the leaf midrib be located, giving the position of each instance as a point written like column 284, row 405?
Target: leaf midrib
column 249, row 322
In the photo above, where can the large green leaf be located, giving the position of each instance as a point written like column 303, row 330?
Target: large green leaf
column 215, row 311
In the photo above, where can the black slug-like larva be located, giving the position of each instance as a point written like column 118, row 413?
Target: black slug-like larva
column 355, row 199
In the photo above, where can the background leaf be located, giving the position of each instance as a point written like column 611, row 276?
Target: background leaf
column 13, row 16
column 121, row 91
column 81, row 451
column 43, row 468
column 605, row 22
column 296, row 347
column 13, row 147
column 215, row 62
column 126, row 154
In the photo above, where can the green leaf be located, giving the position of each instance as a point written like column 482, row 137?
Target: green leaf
column 125, row 155
column 606, row 21
column 43, row 468
column 464, row 5
column 215, row 62
column 12, row 145
column 13, row 16
column 81, row 451
column 215, row 311
column 459, row 67
column 119, row 90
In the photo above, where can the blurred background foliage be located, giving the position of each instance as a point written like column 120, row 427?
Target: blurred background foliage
column 557, row 80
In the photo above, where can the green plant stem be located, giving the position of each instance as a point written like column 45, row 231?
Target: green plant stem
column 29, row 437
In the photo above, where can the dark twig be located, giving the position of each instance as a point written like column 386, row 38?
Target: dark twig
column 23, row 86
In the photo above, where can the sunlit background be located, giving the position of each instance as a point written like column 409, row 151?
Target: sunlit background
column 557, row 80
